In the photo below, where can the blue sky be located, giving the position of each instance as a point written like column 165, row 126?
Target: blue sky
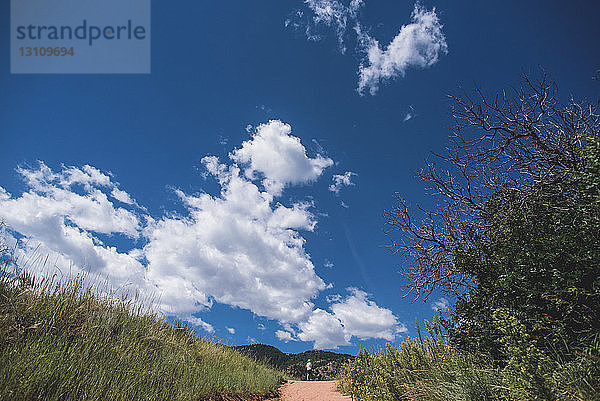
column 243, row 181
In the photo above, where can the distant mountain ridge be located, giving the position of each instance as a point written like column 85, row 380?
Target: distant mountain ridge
column 326, row 364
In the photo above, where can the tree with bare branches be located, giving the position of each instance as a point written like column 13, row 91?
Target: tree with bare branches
column 516, row 223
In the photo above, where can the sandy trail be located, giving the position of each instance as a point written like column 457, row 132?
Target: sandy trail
column 311, row 391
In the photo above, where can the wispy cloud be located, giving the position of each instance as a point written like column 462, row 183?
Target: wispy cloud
column 417, row 45
column 341, row 180
column 196, row 321
column 334, row 298
column 331, row 14
column 410, row 114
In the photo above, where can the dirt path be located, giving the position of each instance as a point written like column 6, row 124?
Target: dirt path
column 311, row 391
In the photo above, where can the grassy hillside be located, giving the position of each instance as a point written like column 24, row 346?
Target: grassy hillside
column 60, row 342
column 326, row 364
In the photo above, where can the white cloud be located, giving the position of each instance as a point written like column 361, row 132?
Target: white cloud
column 279, row 157
column 64, row 213
column 334, row 298
column 441, row 304
column 332, row 14
column 362, row 317
column 325, row 330
column 122, row 196
column 196, row 321
column 328, row 264
column 238, row 249
column 417, row 45
column 231, row 330
column 341, row 180
column 55, row 196
column 355, row 316
column 410, row 114
column 284, row 336
column 4, row 195
column 87, row 176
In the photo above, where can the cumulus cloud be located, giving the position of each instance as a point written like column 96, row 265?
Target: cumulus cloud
column 75, row 196
column 341, row 180
column 64, row 213
column 325, row 330
column 354, row 316
column 240, row 247
column 441, row 304
column 279, row 157
column 362, row 317
column 417, row 45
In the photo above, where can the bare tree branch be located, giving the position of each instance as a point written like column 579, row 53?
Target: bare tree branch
column 500, row 142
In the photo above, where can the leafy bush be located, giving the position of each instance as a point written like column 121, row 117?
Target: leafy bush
column 422, row 369
column 430, row 369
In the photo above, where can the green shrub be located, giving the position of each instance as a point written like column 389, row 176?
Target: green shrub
column 430, row 369
column 422, row 369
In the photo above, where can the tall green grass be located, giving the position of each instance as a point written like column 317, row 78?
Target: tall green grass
column 429, row 369
column 60, row 341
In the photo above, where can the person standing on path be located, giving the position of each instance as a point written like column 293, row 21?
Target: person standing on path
column 308, row 370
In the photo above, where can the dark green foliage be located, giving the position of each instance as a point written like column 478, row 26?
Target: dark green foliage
column 266, row 354
column 541, row 261
column 515, row 237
